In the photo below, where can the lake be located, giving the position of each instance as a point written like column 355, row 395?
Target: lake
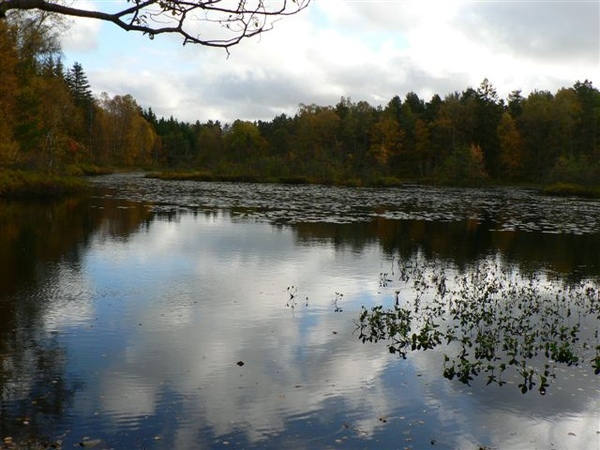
column 187, row 315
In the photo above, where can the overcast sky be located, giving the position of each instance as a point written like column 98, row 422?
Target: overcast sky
column 363, row 49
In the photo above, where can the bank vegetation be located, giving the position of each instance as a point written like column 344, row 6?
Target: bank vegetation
column 53, row 125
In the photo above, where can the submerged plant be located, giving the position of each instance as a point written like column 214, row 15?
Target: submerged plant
column 489, row 319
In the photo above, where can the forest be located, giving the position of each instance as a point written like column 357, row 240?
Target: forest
column 52, row 123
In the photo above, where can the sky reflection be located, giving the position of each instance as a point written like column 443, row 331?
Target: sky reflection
column 154, row 326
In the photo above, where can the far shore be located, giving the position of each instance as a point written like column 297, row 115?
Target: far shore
column 22, row 184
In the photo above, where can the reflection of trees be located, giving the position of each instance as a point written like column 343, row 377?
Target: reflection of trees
column 34, row 391
column 34, row 234
column 461, row 242
column 35, row 242
column 489, row 319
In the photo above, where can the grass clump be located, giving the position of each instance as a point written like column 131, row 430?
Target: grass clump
column 571, row 190
column 18, row 184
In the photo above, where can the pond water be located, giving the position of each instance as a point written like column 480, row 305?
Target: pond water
column 185, row 315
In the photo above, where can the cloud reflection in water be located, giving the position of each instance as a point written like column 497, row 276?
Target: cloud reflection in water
column 179, row 303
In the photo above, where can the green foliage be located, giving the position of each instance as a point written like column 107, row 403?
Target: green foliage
column 490, row 320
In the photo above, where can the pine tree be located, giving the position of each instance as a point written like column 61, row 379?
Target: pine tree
column 79, row 85
column 80, row 90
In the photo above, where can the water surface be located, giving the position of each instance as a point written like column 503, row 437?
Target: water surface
column 158, row 315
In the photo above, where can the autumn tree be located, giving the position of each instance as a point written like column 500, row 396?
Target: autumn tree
column 128, row 138
column 42, row 111
column 566, row 109
column 56, row 117
column 8, row 95
column 572, row 156
column 511, row 157
column 423, row 153
column 317, row 131
column 445, row 134
column 210, row 145
column 243, row 142
column 215, row 23
column 86, row 107
column 356, row 120
column 536, row 125
column 411, row 111
column 282, row 158
column 465, row 166
column 588, row 121
column 387, row 139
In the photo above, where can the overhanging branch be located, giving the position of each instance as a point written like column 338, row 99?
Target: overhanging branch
column 235, row 20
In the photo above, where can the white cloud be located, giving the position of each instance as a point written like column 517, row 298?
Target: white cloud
column 364, row 50
column 84, row 34
column 82, row 37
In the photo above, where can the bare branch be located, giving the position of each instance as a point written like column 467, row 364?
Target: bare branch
column 213, row 23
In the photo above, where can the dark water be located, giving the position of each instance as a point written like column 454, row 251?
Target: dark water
column 125, row 317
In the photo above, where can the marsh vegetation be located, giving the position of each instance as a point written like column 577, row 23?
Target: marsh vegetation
column 490, row 320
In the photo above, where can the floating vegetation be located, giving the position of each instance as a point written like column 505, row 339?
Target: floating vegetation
column 489, row 319
column 502, row 209
column 336, row 300
column 292, row 302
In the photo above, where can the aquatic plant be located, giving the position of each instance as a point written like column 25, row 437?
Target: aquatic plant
column 489, row 318
column 338, row 298
column 292, row 301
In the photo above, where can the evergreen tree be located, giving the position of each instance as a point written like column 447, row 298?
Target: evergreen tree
column 489, row 109
column 78, row 84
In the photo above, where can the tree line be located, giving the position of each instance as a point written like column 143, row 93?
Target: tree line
column 51, row 121
column 466, row 137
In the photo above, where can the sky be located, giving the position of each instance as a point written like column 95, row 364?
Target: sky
column 365, row 50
